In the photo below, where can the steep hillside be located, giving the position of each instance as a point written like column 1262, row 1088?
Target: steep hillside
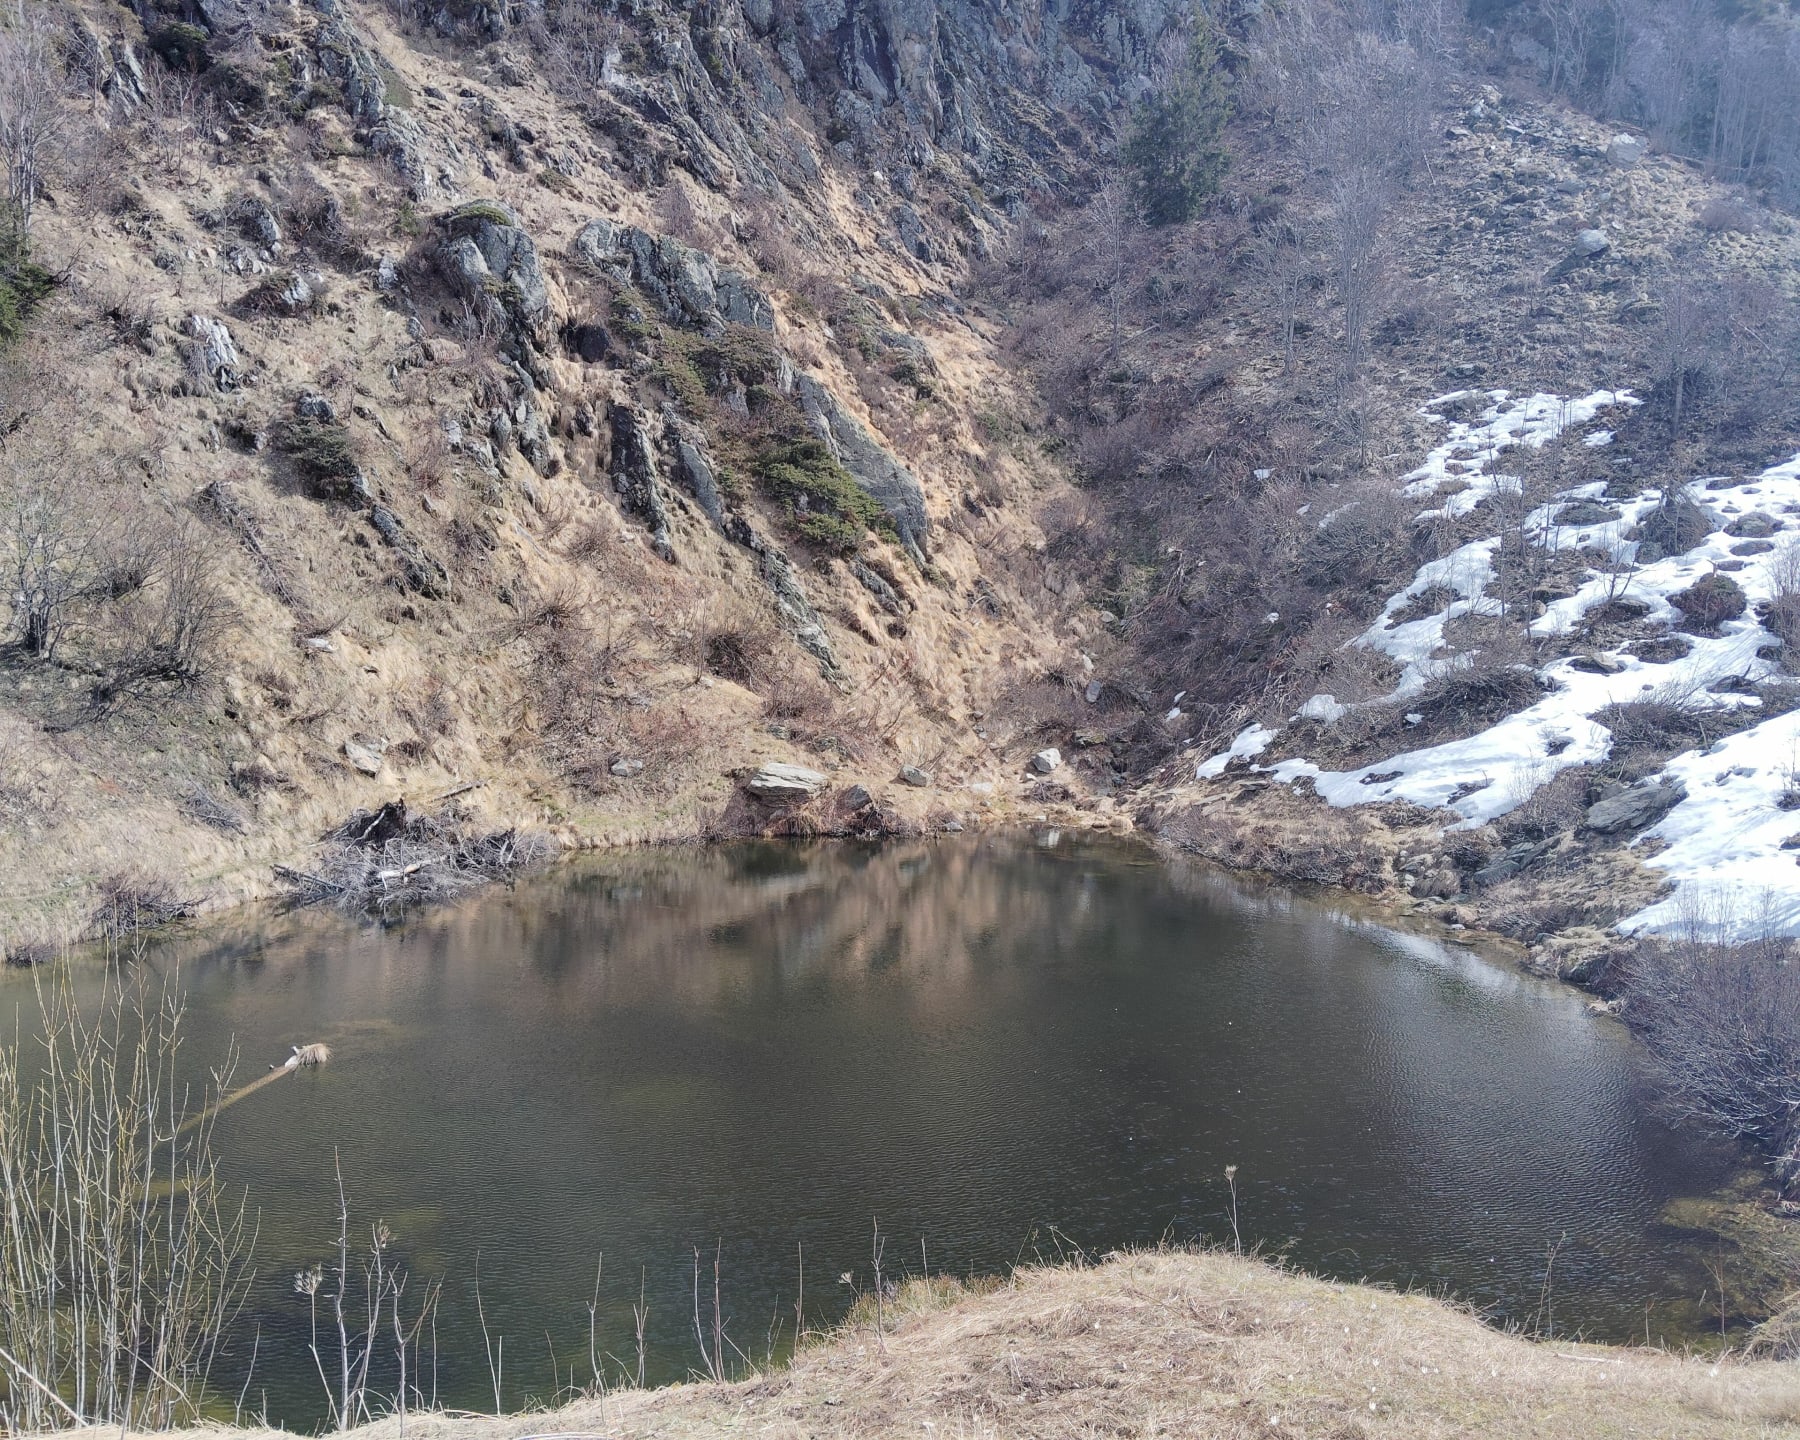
column 559, row 410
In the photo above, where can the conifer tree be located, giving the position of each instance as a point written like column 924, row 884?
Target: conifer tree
column 1175, row 150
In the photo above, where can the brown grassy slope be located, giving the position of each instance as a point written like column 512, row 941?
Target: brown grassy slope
column 451, row 683
column 1186, row 1345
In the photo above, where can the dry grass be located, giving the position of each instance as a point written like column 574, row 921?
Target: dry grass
column 1186, row 1345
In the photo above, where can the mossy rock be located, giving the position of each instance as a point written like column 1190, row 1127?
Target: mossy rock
column 478, row 211
column 823, row 503
column 181, row 46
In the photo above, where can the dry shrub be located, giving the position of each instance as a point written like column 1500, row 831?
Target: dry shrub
column 1781, row 611
column 428, row 709
column 1668, row 719
column 1476, row 695
column 251, row 777
column 1552, row 807
column 131, row 902
column 429, row 459
column 199, row 803
column 1723, row 1024
column 168, row 627
column 743, row 650
column 1728, row 213
column 800, row 697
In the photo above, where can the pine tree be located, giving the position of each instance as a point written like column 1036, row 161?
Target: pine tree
column 1175, row 150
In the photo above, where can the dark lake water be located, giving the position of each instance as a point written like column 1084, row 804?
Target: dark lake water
column 994, row 1046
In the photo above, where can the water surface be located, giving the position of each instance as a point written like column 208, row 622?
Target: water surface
column 993, row 1046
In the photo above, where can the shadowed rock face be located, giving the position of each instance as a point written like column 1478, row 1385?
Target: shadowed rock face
column 898, row 79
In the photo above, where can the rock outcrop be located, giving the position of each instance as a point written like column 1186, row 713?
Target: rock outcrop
column 688, row 286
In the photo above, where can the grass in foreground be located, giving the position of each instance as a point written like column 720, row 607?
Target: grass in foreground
column 1191, row 1345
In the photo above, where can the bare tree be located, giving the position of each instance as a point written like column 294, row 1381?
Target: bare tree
column 1360, row 200
column 1681, row 344
column 31, row 108
column 54, row 559
column 1116, row 221
column 1284, row 267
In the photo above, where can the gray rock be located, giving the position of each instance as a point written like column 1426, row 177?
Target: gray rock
column 795, row 607
column 1625, row 150
column 914, row 776
column 697, row 470
column 857, row 797
column 1753, row 526
column 1601, row 664
column 637, row 477
column 423, row 571
column 1592, row 242
column 1586, row 512
column 687, row 285
column 344, row 58
column 625, row 769
column 1643, row 804
column 1093, row 692
column 215, row 353
column 780, row 781
column 1046, row 761
column 124, row 84
column 397, row 136
column 366, row 756
column 487, row 255
column 885, row 594
column 313, row 406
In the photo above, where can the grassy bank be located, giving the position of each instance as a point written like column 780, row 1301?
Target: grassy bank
column 1180, row 1344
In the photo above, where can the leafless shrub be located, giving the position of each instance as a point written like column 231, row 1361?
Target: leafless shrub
column 1478, row 694
column 1666, row 719
column 125, row 1257
column 586, row 541
column 1552, row 806
column 1781, row 611
column 132, row 901
column 201, row 804
column 167, row 632
column 1728, row 213
column 54, row 562
column 1723, row 1024
column 252, row 777
column 741, row 650
column 429, row 459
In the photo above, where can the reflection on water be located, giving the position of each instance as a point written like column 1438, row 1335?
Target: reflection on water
column 975, row 1041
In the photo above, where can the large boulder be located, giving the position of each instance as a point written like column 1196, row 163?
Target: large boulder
column 780, row 781
column 1625, row 151
column 687, row 285
column 487, row 255
column 1643, row 804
